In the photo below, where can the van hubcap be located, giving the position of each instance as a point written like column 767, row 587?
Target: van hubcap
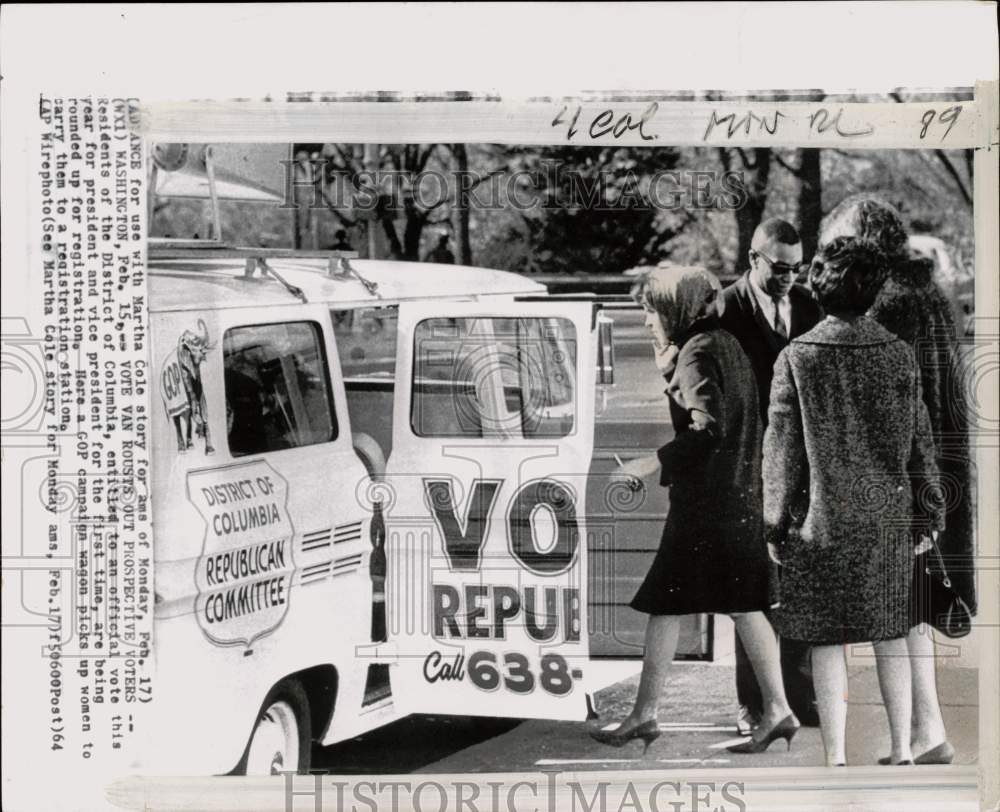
column 274, row 747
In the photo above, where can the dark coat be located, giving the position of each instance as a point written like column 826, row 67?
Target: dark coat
column 742, row 318
column 911, row 306
column 712, row 556
column 846, row 453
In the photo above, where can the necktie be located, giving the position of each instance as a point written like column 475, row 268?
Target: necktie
column 779, row 323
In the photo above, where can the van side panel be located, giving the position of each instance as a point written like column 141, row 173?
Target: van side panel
column 261, row 543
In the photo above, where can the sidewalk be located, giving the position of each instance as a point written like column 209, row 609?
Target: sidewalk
column 697, row 721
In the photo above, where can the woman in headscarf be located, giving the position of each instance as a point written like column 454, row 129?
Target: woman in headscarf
column 912, row 306
column 712, row 555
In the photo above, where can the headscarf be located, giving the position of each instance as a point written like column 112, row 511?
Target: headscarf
column 680, row 296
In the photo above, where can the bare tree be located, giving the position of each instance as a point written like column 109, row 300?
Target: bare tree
column 810, row 196
column 386, row 201
column 460, row 210
column 964, row 185
column 756, row 171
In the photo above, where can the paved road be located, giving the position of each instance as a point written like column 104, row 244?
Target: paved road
column 696, row 722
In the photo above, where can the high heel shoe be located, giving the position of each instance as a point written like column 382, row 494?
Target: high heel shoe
column 942, row 754
column 785, row 729
column 649, row 732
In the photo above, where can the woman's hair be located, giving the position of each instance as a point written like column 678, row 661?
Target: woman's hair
column 870, row 218
column 846, row 275
column 679, row 295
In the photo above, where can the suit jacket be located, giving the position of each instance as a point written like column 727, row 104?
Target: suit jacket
column 742, row 318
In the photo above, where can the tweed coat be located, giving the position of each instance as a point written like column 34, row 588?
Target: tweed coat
column 911, row 306
column 742, row 318
column 847, row 452
column 712, row 556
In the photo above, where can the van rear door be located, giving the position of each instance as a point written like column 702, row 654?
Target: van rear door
column 484, row 508
column 262, row 545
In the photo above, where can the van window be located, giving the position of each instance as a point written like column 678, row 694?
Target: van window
column 366, row 344
column 494, row 377
column 277, row 388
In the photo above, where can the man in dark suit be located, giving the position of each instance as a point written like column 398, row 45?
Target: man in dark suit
column 765, row 309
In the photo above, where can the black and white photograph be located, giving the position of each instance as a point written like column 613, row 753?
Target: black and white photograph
column 625, row 448
column 721, row 515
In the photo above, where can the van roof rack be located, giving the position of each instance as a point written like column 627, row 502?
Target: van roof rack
column 195, row 249
column 338, row 262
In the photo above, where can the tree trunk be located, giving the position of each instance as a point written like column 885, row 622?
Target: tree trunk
column 749, row 215
column 414, row 227
column 460, row 213
column 370, row 163
column 810, row 201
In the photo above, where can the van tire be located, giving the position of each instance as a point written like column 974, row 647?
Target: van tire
column 281, row 735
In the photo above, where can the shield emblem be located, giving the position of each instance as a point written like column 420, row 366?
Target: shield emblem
column 245, row 571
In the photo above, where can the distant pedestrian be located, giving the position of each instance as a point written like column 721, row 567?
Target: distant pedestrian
column 341, row 243
column 441, row 253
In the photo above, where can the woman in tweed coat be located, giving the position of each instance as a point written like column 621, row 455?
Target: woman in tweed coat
column 712, row 556
column 911, row 306
column 846, row 451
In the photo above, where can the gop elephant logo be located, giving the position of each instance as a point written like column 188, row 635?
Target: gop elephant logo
column 182, row 389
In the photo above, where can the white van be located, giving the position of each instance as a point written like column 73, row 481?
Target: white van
column 324, row 426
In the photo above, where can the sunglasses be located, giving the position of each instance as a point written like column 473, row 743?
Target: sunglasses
column 781, row 267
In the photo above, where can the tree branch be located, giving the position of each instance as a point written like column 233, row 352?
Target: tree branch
column 441, row 202
column 425, row 157
column 475, row 185
column 483, row 178
column 781, row 162
column 950, row 167
column 395, row 246
column 344, row 219
column 347, row 160
column 410, row 156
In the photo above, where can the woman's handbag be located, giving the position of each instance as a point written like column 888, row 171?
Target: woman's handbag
column 939, row 604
